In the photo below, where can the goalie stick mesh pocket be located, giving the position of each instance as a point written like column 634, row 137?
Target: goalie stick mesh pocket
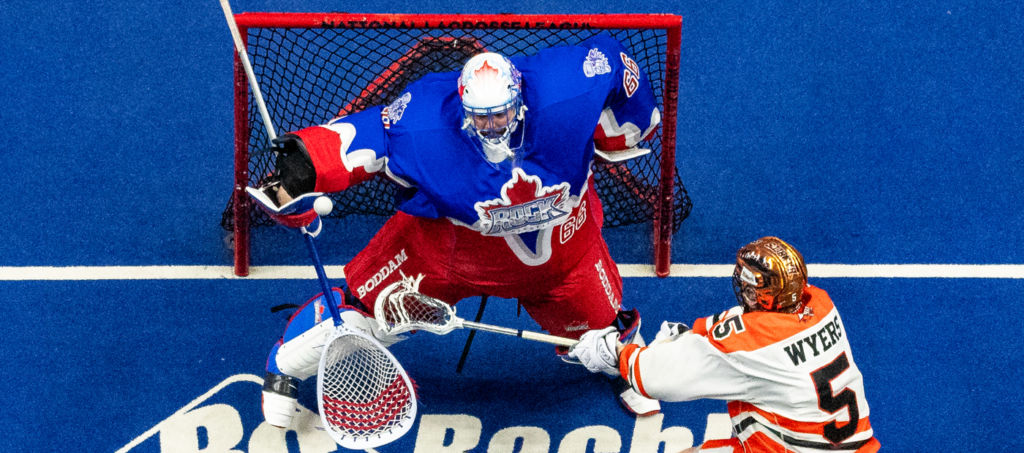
column 365, row 398
column 403, row 309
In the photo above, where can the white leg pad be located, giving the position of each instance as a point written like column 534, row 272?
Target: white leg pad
column 300, row 356
column 355, row 320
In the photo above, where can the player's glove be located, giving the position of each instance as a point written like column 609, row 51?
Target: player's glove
column 297, row 214
column 597, row 350
column 670, row 329
column 296, row 177
column 294, row 173
column 295, row 169
column 280, row 403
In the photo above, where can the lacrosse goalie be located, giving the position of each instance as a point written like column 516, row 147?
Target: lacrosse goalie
column 497, row 192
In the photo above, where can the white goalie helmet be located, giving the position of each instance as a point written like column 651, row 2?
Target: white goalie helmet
column 491, row 91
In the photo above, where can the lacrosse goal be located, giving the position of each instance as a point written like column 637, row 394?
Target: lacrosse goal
column 312, row 67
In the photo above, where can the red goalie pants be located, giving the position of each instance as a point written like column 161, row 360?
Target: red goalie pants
column 576, row 289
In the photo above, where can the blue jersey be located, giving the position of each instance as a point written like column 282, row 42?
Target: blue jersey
column 583, row 102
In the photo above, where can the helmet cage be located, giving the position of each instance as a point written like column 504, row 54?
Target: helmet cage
column 494, row 125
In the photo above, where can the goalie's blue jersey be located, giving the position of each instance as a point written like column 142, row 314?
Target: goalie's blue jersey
column 583, row 102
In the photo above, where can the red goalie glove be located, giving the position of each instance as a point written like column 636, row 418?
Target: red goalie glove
column 300, row 213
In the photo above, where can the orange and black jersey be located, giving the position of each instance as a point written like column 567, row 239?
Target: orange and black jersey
column 790, row 379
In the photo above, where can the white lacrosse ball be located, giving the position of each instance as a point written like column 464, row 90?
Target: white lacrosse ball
column 323, row 206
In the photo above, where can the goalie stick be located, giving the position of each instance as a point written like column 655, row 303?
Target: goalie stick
column 249, row 74
column 405, row 309
column 364, row 396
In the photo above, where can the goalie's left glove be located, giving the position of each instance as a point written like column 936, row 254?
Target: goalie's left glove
column 597, row 350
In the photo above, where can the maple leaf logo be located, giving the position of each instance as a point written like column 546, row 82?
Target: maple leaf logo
column 525, row 205
column 486, row 73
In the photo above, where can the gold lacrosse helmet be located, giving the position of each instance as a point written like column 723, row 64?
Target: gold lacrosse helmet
column 770, row 275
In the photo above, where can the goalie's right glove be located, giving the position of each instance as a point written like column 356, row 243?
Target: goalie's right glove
column 597, row 350
column 287, row 194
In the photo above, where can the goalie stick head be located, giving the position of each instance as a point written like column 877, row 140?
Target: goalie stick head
column 400, row 308
column 490, row 88
column 770, row 275
column 365, row 397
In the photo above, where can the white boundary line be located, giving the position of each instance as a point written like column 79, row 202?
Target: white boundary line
column 88, row 273
column 231, row 380
column 196, row 402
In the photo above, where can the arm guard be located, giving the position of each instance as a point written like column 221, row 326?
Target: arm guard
column 346, row 151
column 631, row 112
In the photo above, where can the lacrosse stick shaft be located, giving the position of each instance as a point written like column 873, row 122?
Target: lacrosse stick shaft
column 244, row 56
column 520, row 333
column 325, row 285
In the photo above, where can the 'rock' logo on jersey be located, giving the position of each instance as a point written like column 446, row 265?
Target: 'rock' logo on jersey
column 525, row 205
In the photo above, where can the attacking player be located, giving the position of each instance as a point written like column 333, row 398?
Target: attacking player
column 497, row 193
column 781, row 359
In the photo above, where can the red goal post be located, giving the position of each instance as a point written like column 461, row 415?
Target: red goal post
column 312, row 67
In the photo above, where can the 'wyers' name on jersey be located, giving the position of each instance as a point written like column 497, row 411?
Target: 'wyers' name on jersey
column 817, row 343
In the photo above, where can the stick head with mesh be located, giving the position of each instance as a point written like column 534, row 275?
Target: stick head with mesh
column 401, row 308
column 365, row 397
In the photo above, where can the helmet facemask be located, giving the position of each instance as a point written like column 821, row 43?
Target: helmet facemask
column 490, row 89
column 494, row 126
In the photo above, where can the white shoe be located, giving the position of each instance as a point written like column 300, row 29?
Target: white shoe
column 634, row 402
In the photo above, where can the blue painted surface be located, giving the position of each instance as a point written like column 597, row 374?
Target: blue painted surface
column 863, row 132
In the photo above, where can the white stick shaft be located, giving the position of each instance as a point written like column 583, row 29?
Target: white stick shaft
column 244, row 56
column 520, row 333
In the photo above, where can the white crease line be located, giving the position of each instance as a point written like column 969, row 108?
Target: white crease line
column 997, row 271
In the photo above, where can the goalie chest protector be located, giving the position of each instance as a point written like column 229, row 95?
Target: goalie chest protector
column 444, row 169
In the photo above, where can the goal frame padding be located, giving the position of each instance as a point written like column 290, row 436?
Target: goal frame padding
column 672, row 24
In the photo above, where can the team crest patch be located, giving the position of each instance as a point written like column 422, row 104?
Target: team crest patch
column 318, row 311
column 525, row 205
column 596, row 63
column 392, row 113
